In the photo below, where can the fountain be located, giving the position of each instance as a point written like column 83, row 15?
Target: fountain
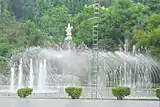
column 12, row 79
column 20, row 84
column 31, row 77
column 51, row 68
column 40, row 78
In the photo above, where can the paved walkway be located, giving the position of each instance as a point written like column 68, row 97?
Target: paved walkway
column 13, row 102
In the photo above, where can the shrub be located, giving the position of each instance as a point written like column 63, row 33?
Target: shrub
column 158, row 93
column 121, row 92
column 74, row 92
column 24, row 92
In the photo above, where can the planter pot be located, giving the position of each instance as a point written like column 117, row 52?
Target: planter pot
column 23, row 102
column 119, row 98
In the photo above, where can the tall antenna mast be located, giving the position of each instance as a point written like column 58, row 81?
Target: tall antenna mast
column 94, row 78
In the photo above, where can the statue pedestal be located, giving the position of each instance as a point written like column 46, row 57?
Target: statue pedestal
column 68, row 38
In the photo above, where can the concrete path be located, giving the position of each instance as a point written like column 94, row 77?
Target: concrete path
column 13, row 102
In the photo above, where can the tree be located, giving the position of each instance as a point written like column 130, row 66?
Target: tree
column 53, row 24
column 10, row 31
column 117, row 23
column 10, row 36
column 43, row 23
column 149, row 37
column 33, row 35
column 22, row 8
column 154, row 6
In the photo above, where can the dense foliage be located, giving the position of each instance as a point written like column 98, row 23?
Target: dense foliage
column 120, row 92
column 158, row 93
column 26, row 23
column 24, row 92
column 149, row 36
column 74, row 92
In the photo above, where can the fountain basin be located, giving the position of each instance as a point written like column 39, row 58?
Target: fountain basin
column 14, row 102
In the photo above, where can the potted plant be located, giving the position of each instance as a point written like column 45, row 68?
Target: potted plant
column 24, row 92
column 74, row 92
column 120, row 92
column 158, row 93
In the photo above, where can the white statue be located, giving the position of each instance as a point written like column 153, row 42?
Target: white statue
column 69, row 32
